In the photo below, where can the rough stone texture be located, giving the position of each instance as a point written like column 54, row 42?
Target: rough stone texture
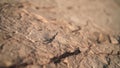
column 59, row 34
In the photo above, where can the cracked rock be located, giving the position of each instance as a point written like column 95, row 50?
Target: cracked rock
column 59, row 34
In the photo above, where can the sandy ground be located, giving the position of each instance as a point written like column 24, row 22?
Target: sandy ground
column 60, row 34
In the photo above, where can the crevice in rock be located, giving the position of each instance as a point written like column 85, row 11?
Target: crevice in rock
column 1, row 46
column 57, row 59
column 49, row 40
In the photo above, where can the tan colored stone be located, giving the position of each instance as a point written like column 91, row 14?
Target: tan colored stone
column 113, row 40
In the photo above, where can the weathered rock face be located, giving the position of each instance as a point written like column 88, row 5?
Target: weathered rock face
column 29, row 40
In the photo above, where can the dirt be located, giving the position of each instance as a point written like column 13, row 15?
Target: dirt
column 59, row 34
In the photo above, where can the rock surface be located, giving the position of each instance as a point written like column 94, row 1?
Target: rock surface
column 59, row 34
